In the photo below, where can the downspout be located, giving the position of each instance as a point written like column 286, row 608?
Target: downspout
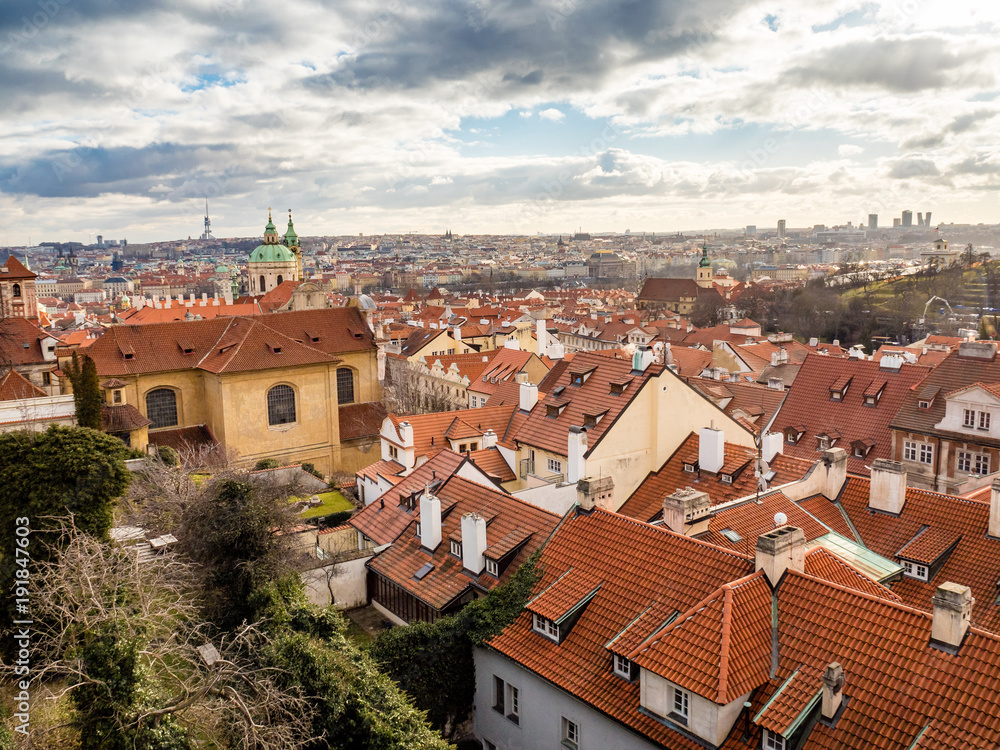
column 937, row 464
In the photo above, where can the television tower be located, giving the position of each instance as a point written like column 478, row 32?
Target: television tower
column 207, row 235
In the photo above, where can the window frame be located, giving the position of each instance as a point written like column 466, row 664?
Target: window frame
column 455, row 548
column 969, row 418
column 772, row 741
column 153, row 415
column 492, row 567
column 983, row 423
column 616, row 660
column 681, row 703
column 342, row 395
column 512, row 703
column 554, row 465
column 544, row 626
column 275, row 407
column 570, row 732
column 915, row 570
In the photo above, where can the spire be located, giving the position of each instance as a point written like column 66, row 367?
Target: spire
column 270, row 232
column 705, row 261
column 291, row 238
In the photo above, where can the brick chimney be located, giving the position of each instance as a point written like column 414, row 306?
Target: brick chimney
column 596, row 492
column 430, row 521
column 835, row 465
column 771, row 444
column 473, row 542
column 994, row 528
column 780, row 550
column 687, row 511
column 833, row 689
column 576, row 447
column 529, row 396
column 888, row 486
column 952, row 614
column 711, row 449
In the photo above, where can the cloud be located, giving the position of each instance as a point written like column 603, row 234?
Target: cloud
column 847, row 149
column 552, row 114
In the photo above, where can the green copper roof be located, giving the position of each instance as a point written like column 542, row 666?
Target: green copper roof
column 704, row 262
column 291, row 239
column 270, row 253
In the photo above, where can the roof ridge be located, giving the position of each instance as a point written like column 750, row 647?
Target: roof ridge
column 726, row 641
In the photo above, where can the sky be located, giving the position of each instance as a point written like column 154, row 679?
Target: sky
column 502, row 116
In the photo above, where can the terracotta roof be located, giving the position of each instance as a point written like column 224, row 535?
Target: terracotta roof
column 419, row 339
column 361, row 420
column 809, row 404
column 14, row 270
column 690, row 362
column 551, row 433
column 751, row 519
column 719, row 649
column 794, row 695
column 822, row 563
column 14, row 387
column 492, row 462
column 757, row 401
column 563, row 594
column 502, row 367
column 830, row 513
column 929, row 544
column 667, row 290
column 432, row 431
column 974, row 562
column 507, row 393
column 385, row 519
column 388, row 470
column 646, row 503
column 21, row 342
column 122, row 418
column 184, row 438
column 447, row 581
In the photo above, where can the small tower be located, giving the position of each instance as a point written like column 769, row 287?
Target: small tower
column 292, row 243
column 704, row 278
column 207, row 234
column 271, row 262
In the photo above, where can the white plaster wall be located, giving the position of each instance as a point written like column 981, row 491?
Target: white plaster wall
column 346, row 580
column 556, row 498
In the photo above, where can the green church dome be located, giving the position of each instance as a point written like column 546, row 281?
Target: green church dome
column 271, row 254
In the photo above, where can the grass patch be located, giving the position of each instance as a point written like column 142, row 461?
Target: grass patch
column 333, row 502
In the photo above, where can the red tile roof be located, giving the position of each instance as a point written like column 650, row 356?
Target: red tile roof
column 14, row 386
column 758, row 402
column 822, row 563
column 809, row 404
column 492, row 462
column 14, row 334
column 830, row 513
column 122, row 418
column 751, row 519
column 432, row 431
column 564, row 594
column 361, row 420
column 14, row 269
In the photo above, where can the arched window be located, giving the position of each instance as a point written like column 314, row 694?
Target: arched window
column 345, row 385
column 279, row 278
column 281, row 405
column 161, row 408
column 17, row 290
column 262, row 285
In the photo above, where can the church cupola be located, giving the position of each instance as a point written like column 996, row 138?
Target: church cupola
column 291, row 239
column 704, row 277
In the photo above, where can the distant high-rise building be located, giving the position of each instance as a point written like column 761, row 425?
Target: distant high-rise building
column 781, row 227
column 873, row 221
column 927, row 219
column 751, row 230
column 897, row 223
column 920, row 219
column 907, row 219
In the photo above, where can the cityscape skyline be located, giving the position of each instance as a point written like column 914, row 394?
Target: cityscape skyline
column 509, row 119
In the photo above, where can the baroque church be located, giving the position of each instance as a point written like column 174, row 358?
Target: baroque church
column 277, row 259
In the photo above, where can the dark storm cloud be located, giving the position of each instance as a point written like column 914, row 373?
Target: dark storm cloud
column 565, row 45
column 87, row 172
column 899, row 65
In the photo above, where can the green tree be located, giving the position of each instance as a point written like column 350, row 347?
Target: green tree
column 86, row 392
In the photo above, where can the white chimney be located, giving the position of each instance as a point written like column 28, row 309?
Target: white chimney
column 204, row 299
column 687, row 511
column 430, row 521
column 576, row 465
column 711, row 449
column 457, row 333
column 813, row 342
column 776, row 384
column 529, row 396
column 888, row 486
column 771, row 444
column 512, row 344
column 166, row 304
column 542, row 336
column 833, row 689
column 642, row 358
column 406, row 434
column 473, row 542
column 780, row 550
column 556, row 350
column 835, row 466
column 191, row 304
column 952, row 614
column 994, row 528
column 489, row 439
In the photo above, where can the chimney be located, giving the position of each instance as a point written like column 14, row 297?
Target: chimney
column 489, row 439
column 835, row 464
column 529, row 396
column 814, row 342
column 556, row 351
column 191, row 304
column 687, row 511
column 780, row 550
column 406, row 434
column 166, row 303
column 576, row 465
column 888, row 486
column 994, row 528
column 596, row 493
column 642, row 358
column 833, row 689
column 776, row 384
column 473, row 542
column 430, row 521
column 542, row 336
column 952, row 615
column 711, row 449
column 771, row 444
column 204, row 299
column 457, row 333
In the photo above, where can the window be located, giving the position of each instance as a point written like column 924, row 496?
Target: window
column 682, row 702
column 726, row 478
column 493, row 568
column 280, row 278
column 456, row 548
column 280, row 405
column 554, row 465
column 689, row 468
column 915, row 570
column 623, row 667
column 922, row 452
column 499, row 691
column 926, row 453
column 262, row 284
column 417, row 525
column 570, row 734
column 546, row 627
column 982, row 464
column 968, row 418
column 964, row 461
column 161, row 408
column 116, row 395
column 393, row 452
column 46, row 378
column 513, row 704
column 345, row 385
column 463, row 447
column 923, row 404
column 984, row 420
column 17, row 290
column 773, row 740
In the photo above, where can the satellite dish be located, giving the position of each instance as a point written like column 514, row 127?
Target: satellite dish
column 780, row 519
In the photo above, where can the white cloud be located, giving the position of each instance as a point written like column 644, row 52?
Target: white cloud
column 552, row 114
column 848, row 149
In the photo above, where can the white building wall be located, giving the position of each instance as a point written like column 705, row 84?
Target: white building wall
column 543, row 707
column 344, row 581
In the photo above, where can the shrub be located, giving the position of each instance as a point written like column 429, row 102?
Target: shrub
column 311, row 469
column 266, row 463
column 168, row 455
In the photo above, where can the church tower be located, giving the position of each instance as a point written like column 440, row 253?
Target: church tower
column 271, row 262
column 292, row 243
column 704, row 278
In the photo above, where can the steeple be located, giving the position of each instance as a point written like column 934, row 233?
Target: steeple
column 705, row 261
column 291, row 238
column 270, row 232
column 704, row 277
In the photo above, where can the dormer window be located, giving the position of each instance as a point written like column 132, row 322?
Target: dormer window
column 116, row 396
column 689, row 468
column 623, row 666
column 773, row 741
column 555, row 408
column 915, row 570
column 493, row 567
column 969, row 418
column 921, row 404
column 417, row 525
column 546, row 627
column 726, row 478
column 456, row 548
column 681, row 704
